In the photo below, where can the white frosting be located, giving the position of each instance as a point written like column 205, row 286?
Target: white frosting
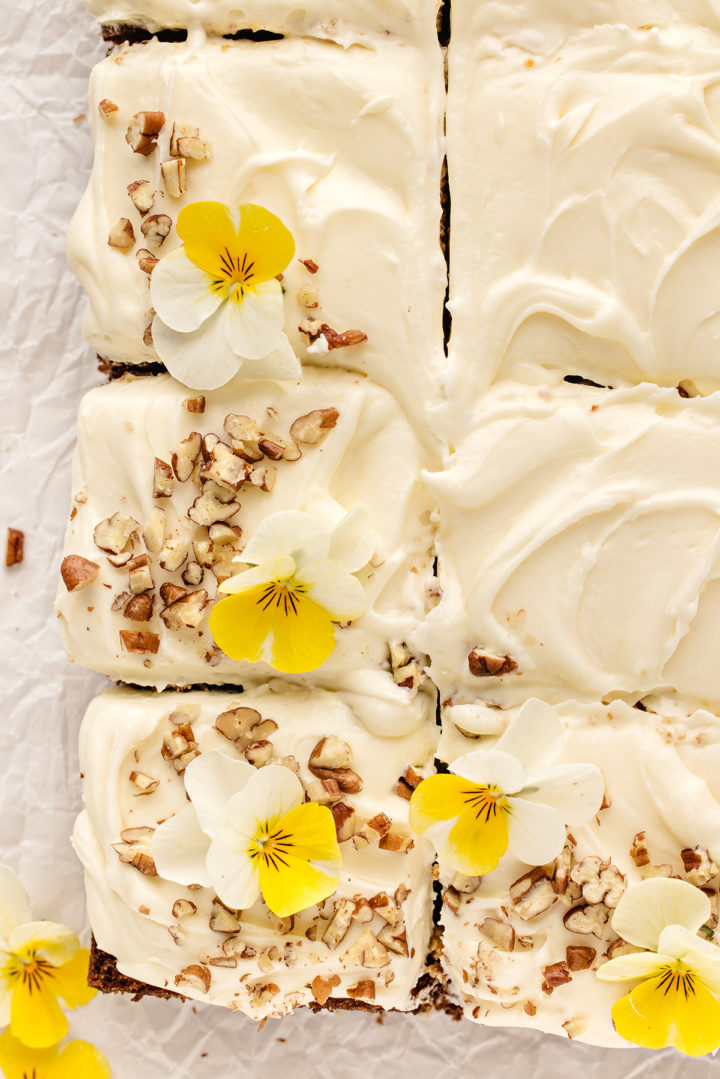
column 370, row 458
column 342, row 21
column 662, row 778
column 344, row 146
column 579, row 534
column 585, row 192
column 123, row 731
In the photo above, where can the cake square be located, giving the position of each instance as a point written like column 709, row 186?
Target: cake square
column 522, row 945
column 367, row 943
column 343, row 146
column 334, row 20
column 157, row 540
column 582, row 171
column 578, row 550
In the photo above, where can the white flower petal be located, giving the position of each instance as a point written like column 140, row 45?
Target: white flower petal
column 55, row 943
column 270, row 793
column 648, row 907
column 353, row 541
column 536, row 832
column 232, row 872
column 179, row 849
column 202, row 360
column 280, row 363
column 14, row 905
column 211, row 780
column 535, row 736
column 331, row 586
column 490, row 768
column 254, row 325
column 275, row 570
column 181, row 294
column 576, row 791
column 288, row 533
column 627, row 968
column 699, row 955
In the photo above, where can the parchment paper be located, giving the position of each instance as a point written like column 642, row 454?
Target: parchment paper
column 47, row 51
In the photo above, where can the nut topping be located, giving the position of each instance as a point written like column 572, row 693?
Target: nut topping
column 484, row 664
column 134, row 850
column 322, row 987
column 372, row 831
column 699, row 866
column 139, row 608
column 155, row 229
column 142, row 194
column 407, row 783
column 15, row 548
column 113, row 534
column 310, row 428
column 194, row 405
column 185, row 455
column 146, row 261
column 107, row 108
column 532, row 894
column 145, row 784
column 142, row 134
column 555, row 975
column 587, row 919
column 78, row 572
column 639, row 851
column 183, row 908
column 367, row 951
column 196, row 976
column 364, row 990
column 186, row 612
column 162, row 479
column 154, row 530
column 173, row 174
column 344, row 817
column 140, row 643
column 122, row 235
column 207, row 510
column 600, row 881
column 579, row 957
column 139, row 575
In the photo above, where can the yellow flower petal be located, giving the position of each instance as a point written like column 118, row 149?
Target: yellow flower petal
column 299, row 861
column 267, row 243
column 670, row 1010
column 36, row 1018
column 207, row 229
column 70, row 980
column 479, row 837
column 17, row 1061
column 79, row 1060
column 302, row 632
column 255, row 252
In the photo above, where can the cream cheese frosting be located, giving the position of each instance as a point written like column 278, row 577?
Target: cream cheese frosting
column 343, row 21
column 579, row 549
column 369, row 459
column 662, row 798
column 585, row 188
column 131, row 912
column 344, row 146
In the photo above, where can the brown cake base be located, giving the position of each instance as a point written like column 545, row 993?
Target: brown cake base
column 104, row 975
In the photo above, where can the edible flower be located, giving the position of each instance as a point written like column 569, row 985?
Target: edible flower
column 676, row 1000
column 249, row 832
column 39, row 962
column 301, row 581
column 218, row 303
column 508, row 798
column 77, row 1060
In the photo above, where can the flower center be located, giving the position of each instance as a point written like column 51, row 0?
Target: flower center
column 234, row 275
column 282, row 595
column 487, row 803
column 30, row 970
column 678, row 979
column 270, row 846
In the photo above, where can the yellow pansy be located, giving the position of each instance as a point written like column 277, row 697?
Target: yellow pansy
column 676, row 1002
column 508, row 798
column 301, row 582
column 249, row 832
column 77, row 1060
column 218, row 303
column 39, row 963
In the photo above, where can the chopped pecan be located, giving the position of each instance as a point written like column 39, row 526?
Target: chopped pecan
column 140, row 642
column 15, row 547
column 532, row 894
column 78, row 572
column 484, row 664
column 311, row 427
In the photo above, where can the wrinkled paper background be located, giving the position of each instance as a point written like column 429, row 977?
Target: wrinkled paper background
column 47, row 51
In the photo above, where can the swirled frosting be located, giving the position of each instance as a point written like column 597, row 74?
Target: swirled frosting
column 336, row 20
column 585, row 193
column 369, row 459
column 272, row 965
column 504, row 956
column 579, row 536
column 344, row 146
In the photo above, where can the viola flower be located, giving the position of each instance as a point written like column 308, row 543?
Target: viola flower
column 249, row 832
column 301, row 581
column 77, row 1060
column 39, row 962
column 676, row 1001
column 218, row 303
column 509, row 797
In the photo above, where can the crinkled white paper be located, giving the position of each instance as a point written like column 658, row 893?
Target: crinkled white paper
column 47, row 51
